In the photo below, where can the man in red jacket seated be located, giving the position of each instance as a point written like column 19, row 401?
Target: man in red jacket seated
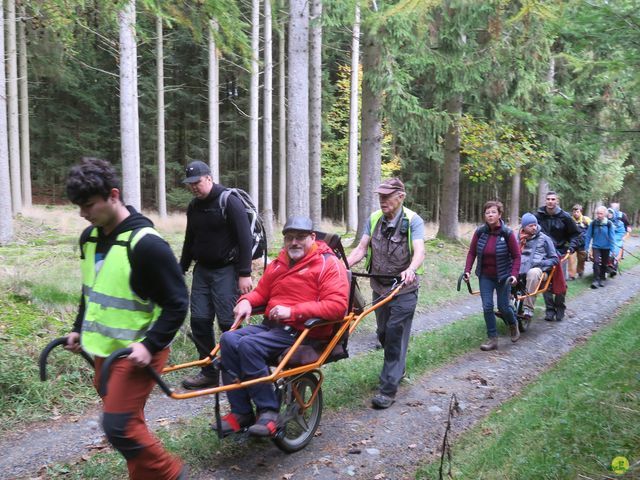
column 306, row 281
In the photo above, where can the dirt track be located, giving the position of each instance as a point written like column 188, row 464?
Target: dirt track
column 364, row 443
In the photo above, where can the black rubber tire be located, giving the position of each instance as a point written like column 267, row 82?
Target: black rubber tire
column 298, row 427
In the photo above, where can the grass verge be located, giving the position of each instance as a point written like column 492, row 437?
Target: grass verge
column 571, row 423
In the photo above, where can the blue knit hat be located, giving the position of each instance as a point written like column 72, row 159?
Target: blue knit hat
column 528, row 219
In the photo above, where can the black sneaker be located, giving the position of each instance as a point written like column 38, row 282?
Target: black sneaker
column 594, row 285
column 381, row 401
column 199, row 381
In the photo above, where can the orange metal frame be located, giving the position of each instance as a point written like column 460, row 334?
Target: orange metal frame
column 349, row 323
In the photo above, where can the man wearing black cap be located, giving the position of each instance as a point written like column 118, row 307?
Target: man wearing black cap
column 393, row 244
column 220, row 244
column 306, row 281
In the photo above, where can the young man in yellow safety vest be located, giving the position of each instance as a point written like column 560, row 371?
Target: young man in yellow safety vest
column 393, row 244
column 133, row 295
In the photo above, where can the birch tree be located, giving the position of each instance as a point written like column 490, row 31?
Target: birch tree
column 298, row 113
column 25, row 161
column 6, row 220
column 267, row 124
column 352, row 182
column 129, row 135
column 214, row 103
column 282, row 122
column 315, row 110
column 12, row 97
column 254, row 108
column 162, row 192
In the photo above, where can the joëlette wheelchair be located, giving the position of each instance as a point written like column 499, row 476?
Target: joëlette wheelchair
column 519, row 293
column 296, row 374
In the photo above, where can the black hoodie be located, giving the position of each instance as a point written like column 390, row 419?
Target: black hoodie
column 560, row 227
column 155, row 275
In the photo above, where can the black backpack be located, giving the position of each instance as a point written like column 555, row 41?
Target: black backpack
column 258, row 234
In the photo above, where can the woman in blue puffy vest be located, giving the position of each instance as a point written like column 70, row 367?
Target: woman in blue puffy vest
column 496, row 247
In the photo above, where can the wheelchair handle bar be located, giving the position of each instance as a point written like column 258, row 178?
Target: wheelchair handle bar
column 42, row 361
column 105, row 372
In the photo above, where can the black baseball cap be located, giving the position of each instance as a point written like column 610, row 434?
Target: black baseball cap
column 195, row 170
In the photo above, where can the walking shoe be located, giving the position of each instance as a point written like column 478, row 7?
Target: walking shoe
column 594, row 284
column 234, row 422
column 559, row 314
column 266, row 425
column 381, row 401
column 550, row 316
column 490, row 344
column 199, row 381
column 515, row 332
column 601, row 283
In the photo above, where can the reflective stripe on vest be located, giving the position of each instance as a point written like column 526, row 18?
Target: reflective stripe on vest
column 373, row 221
column 114, row 315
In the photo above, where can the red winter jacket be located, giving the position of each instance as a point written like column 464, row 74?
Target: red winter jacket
column 314, row 287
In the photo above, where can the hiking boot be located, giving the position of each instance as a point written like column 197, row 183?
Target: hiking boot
column 550, row 315
column 515, row 332
column 381, row 401
column 196, row 382
column 601, row 283
column 594, row 284
column 234, row 422
column 266, row 425
column 490, row 344
column 559, row 314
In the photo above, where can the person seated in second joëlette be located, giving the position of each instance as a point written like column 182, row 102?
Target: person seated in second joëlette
column 306, row 281
column 538, row 255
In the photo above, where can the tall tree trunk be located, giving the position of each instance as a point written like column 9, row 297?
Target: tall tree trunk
column 371, row 132
column 282, row 123
column 254, row 107
column 315, row 110
column 352, row 181
column 214, row 104
column 543, row 188
column 448, row 227
column 298, row 114
column 543, row 184
column 514, row 211
column 13, row 121
column 161, row 187
column 25, row 160
column 6, row 220
column 267, row 125
column 129, row 136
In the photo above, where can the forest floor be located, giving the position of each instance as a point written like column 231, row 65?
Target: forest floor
column 361, row 443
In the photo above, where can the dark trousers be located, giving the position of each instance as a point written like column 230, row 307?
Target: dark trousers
column 600, row 261
column 214, row 293
column 124, row 423
column 503, row 290
column 394, row 321
column 246, row 353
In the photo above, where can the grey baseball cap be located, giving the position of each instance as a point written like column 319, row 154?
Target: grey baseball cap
column 298, row 223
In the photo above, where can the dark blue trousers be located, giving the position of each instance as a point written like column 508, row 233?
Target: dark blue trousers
column 246, row 353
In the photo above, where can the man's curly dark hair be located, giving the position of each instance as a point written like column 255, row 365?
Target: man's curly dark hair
column 92, row 176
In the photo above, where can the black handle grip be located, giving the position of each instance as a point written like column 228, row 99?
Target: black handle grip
column 105, row 372
column 47, row 350
column 460, row 279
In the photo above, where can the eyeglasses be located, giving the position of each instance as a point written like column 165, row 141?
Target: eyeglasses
column 300, row 237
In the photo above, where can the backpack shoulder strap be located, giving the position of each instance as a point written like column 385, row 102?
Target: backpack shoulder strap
column 223, row 198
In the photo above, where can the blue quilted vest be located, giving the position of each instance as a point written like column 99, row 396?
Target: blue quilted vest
column 503, row 257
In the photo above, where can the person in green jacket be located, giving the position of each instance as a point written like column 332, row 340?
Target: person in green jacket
column 133, row 295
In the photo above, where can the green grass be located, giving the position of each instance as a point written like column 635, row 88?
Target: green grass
column 570, row 423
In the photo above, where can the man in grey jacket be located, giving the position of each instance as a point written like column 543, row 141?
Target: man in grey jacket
column 538, row 256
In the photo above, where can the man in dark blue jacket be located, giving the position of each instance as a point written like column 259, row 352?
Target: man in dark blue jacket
column 558, row 225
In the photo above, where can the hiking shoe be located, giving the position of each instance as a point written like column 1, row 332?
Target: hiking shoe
column 266, row 425
column 490, row 344
column 559, row 314
column 199, row 381
column 594, row 285
column 515, row 332
column 381, row 401
column 601, row 283
column 550, row 316
column 234, row 422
